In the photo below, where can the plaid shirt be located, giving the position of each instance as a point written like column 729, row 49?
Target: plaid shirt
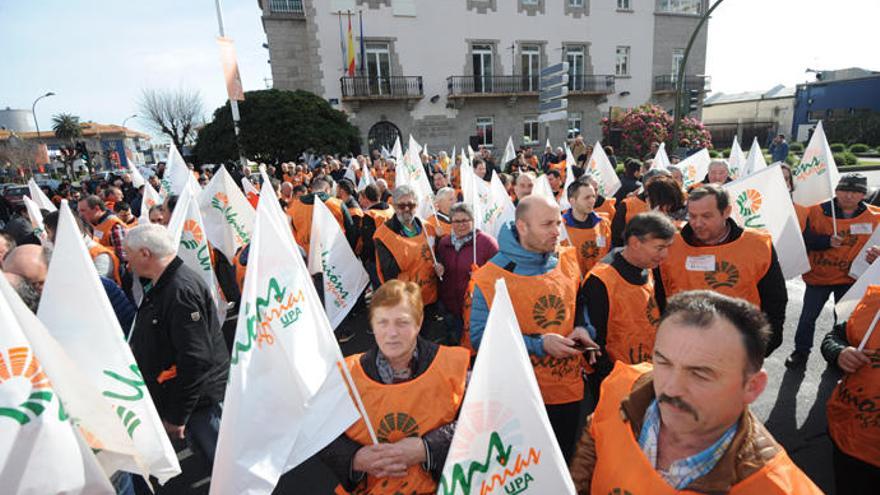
column 117, row 237
column 682, row 472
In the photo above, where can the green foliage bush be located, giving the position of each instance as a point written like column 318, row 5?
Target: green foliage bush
column 858, row 148
column 837, row 148
column 796, row 147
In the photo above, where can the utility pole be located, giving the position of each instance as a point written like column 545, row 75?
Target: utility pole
column 679, row 87
column 232, row 103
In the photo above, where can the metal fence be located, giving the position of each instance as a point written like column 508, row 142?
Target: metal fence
column 382, row 87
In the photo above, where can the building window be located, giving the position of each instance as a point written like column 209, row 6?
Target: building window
column 530, row 131
column 530, row 67
column 576, row 3
column 286, row 6
column 677, row 57
column 575, row 58
column 378, row 68
column 485, row 130
column 621, row 68
column 623, row 5
column 682, row 6
column 482, row 64
column 529, row 2
column 574, row 124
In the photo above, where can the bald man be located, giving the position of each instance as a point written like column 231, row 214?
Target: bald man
column 30, row 262
column 25, row 290
column 542, row 278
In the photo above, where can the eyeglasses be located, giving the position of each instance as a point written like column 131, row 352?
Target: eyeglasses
column 405, row 206
column 463, row 220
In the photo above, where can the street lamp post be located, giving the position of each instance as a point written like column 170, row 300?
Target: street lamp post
column 679, row 86
column 126, row 120
column 34, row 113
column 125, row 157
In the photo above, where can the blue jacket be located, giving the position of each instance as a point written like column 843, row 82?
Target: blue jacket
column 526, row 263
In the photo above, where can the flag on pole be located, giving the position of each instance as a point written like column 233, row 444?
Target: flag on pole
column 410, row 171
column 36, row 217
column 229, row 61
column 151, row 199
column 188, row 231
column 761, row 201
column 661, row 159
column 755, row 159
column 350, row 63
column 815, row 177
column 509, row 153
column 850, row 300
column 228, row 216
column 77, row 313
column 40, row 197
column 569, row 178
column 41, row 451
column 860, row 264
column 137, row 178
column 286, row 398
column 503, row 437
column 542, row 188
column 471, row 153
column 344, row 277
column 694, row 167
column 737, row 161
column 603, row 172
column 491, row 203
column 177, row 174
column 251, row 191
column 396, row 150
column 350, row 171
column 366, row 177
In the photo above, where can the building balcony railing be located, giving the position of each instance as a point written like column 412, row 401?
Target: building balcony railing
column 667, row 83
column 381, row 88
column 291, row 7
column 477, row 86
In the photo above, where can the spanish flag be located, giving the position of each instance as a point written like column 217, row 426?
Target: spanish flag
column 350, row 46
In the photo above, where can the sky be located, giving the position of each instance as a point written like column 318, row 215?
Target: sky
column 98, row 55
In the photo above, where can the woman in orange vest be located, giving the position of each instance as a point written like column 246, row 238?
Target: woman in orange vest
column 853, row 418
column 588, row 232
column 853, row 409
column 443, row 201
column 404, row 449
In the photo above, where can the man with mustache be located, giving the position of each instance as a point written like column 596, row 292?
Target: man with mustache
column 684, row 422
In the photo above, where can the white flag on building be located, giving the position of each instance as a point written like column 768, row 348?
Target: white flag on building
column 695, row 167
column 509, row 154
column 77, row 313
column 737, row 160
column 41, row 451
column 286, row 398
column 661, row 159
column 816, row 176
column 761, row 201
column 36, row 217
column 228, row 216
column 600, row 168
column 40, row 197
column 344, row 277
column 503, row 438
column 755, row 160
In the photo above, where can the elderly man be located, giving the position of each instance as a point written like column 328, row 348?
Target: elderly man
column 831, row 254
column 109, row 230
column 25, row 290
column 523, row 185
column 684, row 423
column 543, row 279
column 443, row 201
column 404, row 248
column 177, row 340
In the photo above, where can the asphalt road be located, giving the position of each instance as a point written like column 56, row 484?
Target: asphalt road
column 792, row 407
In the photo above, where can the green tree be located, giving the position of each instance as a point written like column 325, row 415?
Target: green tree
column 67, row 128
column 277, row 126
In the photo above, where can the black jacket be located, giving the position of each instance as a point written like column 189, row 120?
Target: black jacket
column 177, row 326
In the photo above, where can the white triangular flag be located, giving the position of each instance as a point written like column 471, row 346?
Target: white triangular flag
column 850, row 300
column 860, row 264
column 384, row 153
column 350, row 171
column 81, row 400
column 548, row 145
column 344, row 277
column 569, row 179
column 40, row 197
column 77, row 313
column 250, row 190
column 471, row 153
column 176, row 176
column 755, row 160
column 41, row 451
column 737, row 161
column 228, row 216
column 137, row 178
column 816, row 176
column 761, row 201
column 396, row 150
column 542, row 188
column 695, row 167
column 603, row 172
column 188, row 231
column 36, row 217
column 410, row 171
column 509, row 153
column 286, row 398
column 151, row 199
column 366, row 177
column 503, row 433
column 661, row 159
column 498, row 210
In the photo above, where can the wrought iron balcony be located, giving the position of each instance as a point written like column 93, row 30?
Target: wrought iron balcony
column 289, row 7
column 488, row 86
column 668, row 82
column 381, row 88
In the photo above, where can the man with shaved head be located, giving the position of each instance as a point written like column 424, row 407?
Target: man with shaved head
column 542, row 278
column 30, row 262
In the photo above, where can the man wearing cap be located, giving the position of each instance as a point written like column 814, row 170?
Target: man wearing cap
column 831, row 255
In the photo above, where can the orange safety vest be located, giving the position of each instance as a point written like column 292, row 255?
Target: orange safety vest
column 633, row 316
column 831, row 266
column 413, row 257
column 802, row 212
column 102, row 230
column 738, row 266
column 301, row 216
column 442, row 228
column 615, row 441
column 609, row 207
column 400, row 411
column 379, row 216
column 544, row 304
column 634, row 206
column 591, row 245
column 96, row 249
column 853, row 413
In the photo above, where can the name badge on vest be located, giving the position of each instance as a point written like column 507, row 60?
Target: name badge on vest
column 861, row 228
column 704, row 263
column 98, row 235
column 600, row 241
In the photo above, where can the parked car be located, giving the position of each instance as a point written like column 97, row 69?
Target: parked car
column 15, row 194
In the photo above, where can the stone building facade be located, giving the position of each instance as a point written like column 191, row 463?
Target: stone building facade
column 458, row 72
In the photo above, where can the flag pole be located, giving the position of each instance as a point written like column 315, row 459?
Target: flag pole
column 425, row 232
column 363, row 45
column 476, row 215
column 870, row 331
column 346, row 374
column 342, row 43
